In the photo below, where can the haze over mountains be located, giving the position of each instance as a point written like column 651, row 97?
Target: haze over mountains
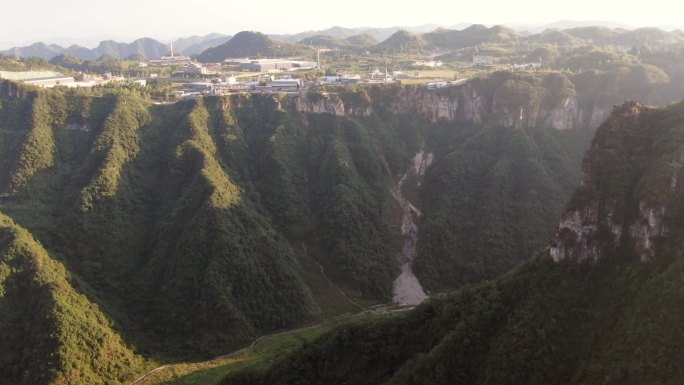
column 536, row 205
column 334, row 37
column 145, row 48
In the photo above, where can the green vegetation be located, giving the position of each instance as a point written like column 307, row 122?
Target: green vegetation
column 639, row 82
column 140, row 48
column 135, row 234
column 612, row 321
column 521, row 179
column 251, row 44
column 451, row 331
column 401, row 42
column 325, row 41
column 26, row 64
column 138, row 200
column 361, row 41
column 256, row 358
column 590, row 58
column 542, row 323
column 49, row 332
column 103, row 64
column 472, row 36
column 201, row 225
column 177, row 220
column 198, row 226
column 329, row 188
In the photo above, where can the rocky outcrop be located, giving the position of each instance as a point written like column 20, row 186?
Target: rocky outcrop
column 465, row 103
column 584, row 236
column 628, row 190
column 575, row 239
column 319, row 103
column 462, row 103
column 647, row 229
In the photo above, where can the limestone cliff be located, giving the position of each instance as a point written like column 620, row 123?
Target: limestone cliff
column 629, row 199
column 505, row 99
column 324, row 103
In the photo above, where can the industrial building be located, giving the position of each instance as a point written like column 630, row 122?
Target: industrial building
column 284, row 85
column 236, row 61
column 51, row 81
column 20, row 76
column 38, row 78
column 266, row 65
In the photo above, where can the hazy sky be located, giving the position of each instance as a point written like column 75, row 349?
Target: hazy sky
column 91, row 20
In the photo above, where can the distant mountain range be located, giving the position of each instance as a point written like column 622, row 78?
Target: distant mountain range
column 216, row 46
column 250, row 44
column 146, row 48
column 195, row 45
column 379, row 34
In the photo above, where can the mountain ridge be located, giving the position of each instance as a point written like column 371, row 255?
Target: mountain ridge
column 186, row 223
column 438, row 37
column 170, row 215
column 144, row 47
column 555, row 318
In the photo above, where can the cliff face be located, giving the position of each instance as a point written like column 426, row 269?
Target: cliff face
column 628, row 202
column 320, row 104
column 508, row 100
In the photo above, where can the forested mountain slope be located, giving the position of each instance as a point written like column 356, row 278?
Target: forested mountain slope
column 600, row 307
column 192, row 228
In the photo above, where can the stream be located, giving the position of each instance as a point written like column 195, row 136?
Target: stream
column 407, row 289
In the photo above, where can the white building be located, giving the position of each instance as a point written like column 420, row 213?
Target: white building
column 50, row 81
column 479, row 60
column 38, row 78
column 285, row 84
column 350, row 79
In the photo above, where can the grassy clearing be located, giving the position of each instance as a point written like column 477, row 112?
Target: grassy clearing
column 258, row 356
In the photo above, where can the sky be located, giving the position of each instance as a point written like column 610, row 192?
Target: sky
column 89, row 21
